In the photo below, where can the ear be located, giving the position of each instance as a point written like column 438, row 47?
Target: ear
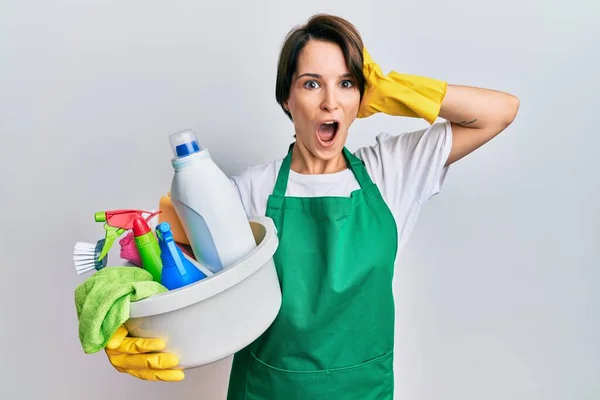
column 286, row 107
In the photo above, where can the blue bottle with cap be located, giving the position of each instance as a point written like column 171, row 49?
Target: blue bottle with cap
column 208, row 205
column 177, row 271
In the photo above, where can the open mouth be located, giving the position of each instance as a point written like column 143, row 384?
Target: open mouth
column 327, row 132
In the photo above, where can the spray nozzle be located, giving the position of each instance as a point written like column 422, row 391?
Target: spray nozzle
column 184, row 143
column 163, row 231
column 100, row 216
column 169, row 251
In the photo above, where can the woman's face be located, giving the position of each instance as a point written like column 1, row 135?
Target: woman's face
column 323, row 99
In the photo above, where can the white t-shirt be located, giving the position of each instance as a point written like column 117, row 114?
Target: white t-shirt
column 408, row 169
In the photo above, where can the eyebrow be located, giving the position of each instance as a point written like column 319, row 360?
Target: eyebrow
column 312, row 75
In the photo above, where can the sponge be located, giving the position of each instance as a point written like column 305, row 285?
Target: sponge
column 169, row 215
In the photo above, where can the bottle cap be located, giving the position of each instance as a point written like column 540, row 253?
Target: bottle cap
column 184, row 143
column 140, row 227
column 164, row 227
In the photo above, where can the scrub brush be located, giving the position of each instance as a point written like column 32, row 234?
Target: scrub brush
column 85, row 257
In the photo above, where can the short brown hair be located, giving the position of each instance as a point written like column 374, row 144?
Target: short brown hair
column 324, row 27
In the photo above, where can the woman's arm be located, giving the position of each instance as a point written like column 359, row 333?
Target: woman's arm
column 477, row 116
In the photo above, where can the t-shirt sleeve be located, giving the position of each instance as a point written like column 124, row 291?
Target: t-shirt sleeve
column 410, row 164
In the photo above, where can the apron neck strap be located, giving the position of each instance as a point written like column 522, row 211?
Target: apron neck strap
column 354, row 163
column 284, row 173
column 358, row 168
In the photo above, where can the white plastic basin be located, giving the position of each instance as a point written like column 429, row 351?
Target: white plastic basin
column 215, row 317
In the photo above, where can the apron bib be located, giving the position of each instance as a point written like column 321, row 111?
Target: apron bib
column 334, row 335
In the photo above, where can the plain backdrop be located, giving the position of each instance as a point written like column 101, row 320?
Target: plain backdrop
column 496, row 292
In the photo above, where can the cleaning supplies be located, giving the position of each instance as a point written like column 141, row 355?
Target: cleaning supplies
column 117, row 222
column 148, row 248
column 130, row 253
column 400, row 94
column 103, row 302
column 208, row 206
column 86, row 257
column 177, row 270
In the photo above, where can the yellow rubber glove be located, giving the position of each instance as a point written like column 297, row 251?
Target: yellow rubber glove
column 400, row 94
column 141, row 357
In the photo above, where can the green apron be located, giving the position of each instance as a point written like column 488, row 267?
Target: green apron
column 334, row 335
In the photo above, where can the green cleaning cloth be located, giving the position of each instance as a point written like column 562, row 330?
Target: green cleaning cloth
column 103, row 301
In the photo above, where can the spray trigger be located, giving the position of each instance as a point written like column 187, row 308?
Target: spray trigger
column 112, row 234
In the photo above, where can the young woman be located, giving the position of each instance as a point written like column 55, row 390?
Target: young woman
column 341, row 217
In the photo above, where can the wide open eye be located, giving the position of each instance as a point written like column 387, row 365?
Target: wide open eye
column 347, row 84
column 311, row 84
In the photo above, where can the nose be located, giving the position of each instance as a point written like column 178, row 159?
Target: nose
column 329, row 101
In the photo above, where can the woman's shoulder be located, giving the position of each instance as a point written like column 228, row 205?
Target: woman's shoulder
column 410, row 163
column 407, row 141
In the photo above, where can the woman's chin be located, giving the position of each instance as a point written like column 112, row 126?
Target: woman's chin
column 323, row 149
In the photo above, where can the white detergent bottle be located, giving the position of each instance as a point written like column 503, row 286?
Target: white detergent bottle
column 208, row 206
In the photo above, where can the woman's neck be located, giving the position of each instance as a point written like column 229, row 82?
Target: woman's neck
column 306, row 163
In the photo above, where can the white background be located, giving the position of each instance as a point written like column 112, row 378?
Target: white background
column 496, row 292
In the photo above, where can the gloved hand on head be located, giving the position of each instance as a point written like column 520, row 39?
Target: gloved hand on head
column 400, row 94
column 142, row 357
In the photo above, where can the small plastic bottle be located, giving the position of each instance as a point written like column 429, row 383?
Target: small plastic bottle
column 148, row 248
column 210, row 210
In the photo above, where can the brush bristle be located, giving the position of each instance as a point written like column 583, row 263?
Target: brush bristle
column 85, row 257
column 84, row 248
column 84, row 266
